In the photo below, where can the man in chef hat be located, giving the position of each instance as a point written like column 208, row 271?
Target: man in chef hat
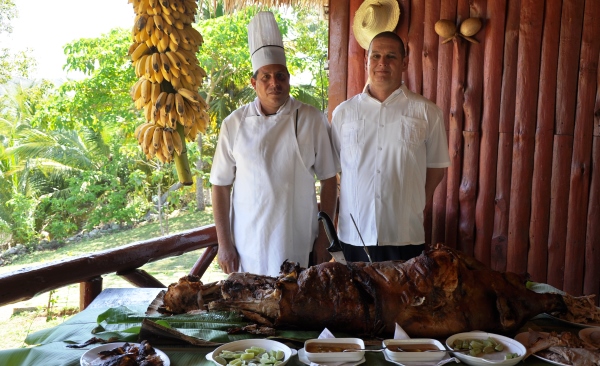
column 263, row 174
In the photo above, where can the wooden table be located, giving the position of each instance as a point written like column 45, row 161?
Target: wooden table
column 55, row 353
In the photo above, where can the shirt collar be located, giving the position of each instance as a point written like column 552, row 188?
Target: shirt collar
column 281, row 108
column 401, row 90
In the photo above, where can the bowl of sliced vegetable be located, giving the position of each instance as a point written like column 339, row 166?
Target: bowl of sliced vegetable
column 485, row 349
column 251, row 352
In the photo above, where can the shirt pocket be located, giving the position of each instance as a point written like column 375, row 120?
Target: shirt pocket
column 352, row 142
column 412, row 130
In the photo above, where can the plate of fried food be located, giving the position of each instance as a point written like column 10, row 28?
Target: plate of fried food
column 561, row 349
column 125, row 353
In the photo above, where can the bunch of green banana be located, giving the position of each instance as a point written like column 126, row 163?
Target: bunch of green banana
column 164, row 57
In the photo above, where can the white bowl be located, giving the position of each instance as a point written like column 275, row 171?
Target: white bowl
column 244, row 344
column 495, row 358
column 411, row 344
column 342, row 343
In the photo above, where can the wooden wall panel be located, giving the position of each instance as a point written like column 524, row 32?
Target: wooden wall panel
column 467, row 194
column 530, row 35
column 492, row 82
column 438, row 210
column 582, row 148
column 414, row 79
column 430, row 61
column 505, row 129
column 537, row 257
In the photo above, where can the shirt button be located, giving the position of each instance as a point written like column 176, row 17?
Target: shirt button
column 378, row 171
column 379, row 148
column 377, row 196
column 380, row 125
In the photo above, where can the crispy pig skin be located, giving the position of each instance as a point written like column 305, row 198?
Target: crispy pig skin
column 437, row 294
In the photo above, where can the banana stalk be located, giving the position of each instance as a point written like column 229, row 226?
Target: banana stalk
column 181, row 161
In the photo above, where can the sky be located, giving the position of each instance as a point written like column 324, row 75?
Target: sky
column 46, row 26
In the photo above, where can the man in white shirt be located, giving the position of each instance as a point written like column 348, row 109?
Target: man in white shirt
column 393, row 151
column 263, row 173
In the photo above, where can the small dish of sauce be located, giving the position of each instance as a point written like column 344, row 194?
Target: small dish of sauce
column 416, row 347
column 330, row 347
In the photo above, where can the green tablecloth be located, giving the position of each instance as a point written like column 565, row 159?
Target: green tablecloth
column 54, row 350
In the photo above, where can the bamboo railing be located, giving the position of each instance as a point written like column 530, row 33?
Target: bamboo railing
column 124, row 261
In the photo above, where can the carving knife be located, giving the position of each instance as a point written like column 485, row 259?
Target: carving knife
column 361, row 239
column 335, row 248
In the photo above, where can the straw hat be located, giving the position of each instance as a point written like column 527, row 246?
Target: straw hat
column 374, row 17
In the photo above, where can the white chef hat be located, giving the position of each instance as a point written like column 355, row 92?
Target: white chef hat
column 264, row 41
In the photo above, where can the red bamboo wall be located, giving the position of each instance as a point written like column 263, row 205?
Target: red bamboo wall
column 522, row 113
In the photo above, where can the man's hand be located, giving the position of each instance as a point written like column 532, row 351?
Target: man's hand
column 228, row 258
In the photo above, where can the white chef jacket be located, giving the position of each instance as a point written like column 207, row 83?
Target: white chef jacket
column 272, row 162
column 385, row 149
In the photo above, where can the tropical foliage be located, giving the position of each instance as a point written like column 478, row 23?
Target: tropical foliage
column 68, row 160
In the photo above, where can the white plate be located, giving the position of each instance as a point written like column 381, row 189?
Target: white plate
column 524, row 339
column 302, row 357
column 243, row 344
column 92, row 354
column 496, row 358
column 591, row 336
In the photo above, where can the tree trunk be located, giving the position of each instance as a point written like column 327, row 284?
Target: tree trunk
column 200, row 206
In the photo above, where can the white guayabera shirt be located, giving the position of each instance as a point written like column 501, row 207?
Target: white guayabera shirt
column 385, row 149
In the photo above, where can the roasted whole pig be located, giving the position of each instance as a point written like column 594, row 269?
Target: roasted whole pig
column 439, row 293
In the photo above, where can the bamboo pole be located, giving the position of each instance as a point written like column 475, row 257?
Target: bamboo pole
column 537, row 258
column 488, row 156
column 530, row 36
column 455, row 144
column 430, row 61
column 558, row 209
column 414, row 42
column 591, row 281
column 455, row 138
column 467, row 195
column 444, row 79
column 581, row 162
column 568, row 61
column 338, row 53
column 505, row 129
column 356, row 56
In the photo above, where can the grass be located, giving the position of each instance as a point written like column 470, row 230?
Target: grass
column 19, row 319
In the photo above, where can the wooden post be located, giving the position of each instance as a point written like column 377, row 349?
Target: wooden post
column 581, row 162
column 430, row 61
column 356, row 57
column 204, row 261
column 140, row 278
column 505, row 129
column 591, row 281
column 88, row 291
column 488, row 156
column 414, row 45
column 444, row 80
column 467, row 193
column 455, row 143
column 530, row 35
column 566, row 94
column 338, row 53
column 537, row 258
